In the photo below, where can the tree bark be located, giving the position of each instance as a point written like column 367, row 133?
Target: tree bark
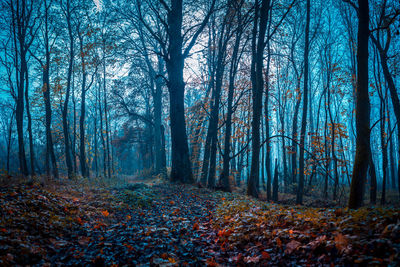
column 64, row 114
column 362, row 110
column 29, row 117
column 392, row 89
column 275, row 183
column 19, row 36
column 257, row 90
column 300, row 189
column 82, row 152
column 181, row 170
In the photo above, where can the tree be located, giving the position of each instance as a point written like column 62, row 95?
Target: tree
column 67, row 11
column 174, row 54
column 384, row 24
column 300, row 189
column 46, row 93
column 85, row 48
column 22, row 12
column 232, row 76
column 258, row 45
column 362, row 110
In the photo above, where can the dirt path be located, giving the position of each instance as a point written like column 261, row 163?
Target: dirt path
column 172, row 230
column 95, row 227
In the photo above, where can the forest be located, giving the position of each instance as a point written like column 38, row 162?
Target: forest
column 199, row 133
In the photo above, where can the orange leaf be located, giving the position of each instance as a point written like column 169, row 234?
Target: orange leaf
column 105, row 213
column 164, row 256
column 195, row 226
column 265, row 255
column 211, row 262
column 279, row 242
column 79, row 220
column 341, row 241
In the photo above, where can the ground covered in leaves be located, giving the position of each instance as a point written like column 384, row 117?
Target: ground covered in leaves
column 161, row 224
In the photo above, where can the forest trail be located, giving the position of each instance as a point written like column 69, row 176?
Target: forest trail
column 162, row 224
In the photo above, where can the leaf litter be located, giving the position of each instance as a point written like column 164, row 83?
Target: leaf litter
column 176, row 225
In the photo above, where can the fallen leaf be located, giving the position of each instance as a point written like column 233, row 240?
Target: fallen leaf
column 265, row 255
column 292, row 246
column 210, row 262
column 105, row 213
column 341, row 242
column 254, row 259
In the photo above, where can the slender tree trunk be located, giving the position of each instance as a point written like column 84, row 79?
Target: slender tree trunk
column 46, row 94
column 362, row 110
column 73, row 146
column 103, row 141
column 67, row 94
column 275, row 183
column 300, row 189
column 391, row 155
column 84, row 170
column 333, row 134
column 214, row 119
column 373, row 183
column 257, row 89
column 107, row 122
column 266, row 115
column 393, row 92
column 96, row 166
column 160, row 167
column 384, row 150
column 29, row 117
column 19, row 33
column 9, row 141
column 211, row 87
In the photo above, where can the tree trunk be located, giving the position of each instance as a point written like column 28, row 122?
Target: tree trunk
column 384, row 151
column 29, row 117
column 67, row 93
column 160, row 167
column 275, row 183
column 181, row 170
column 46, row 94
column 257, row 90
column 391, row 156
column 300, row 189
column 19, row 34
column 392, row 90
column 214, row 119
column 362, row 110
column 82, row 152
column 9, row 138
column 266, row 114
column 373, row 183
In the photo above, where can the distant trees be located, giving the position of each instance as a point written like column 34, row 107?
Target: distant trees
column 22, row 29
column 207, row 92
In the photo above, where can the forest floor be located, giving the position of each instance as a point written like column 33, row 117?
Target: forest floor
column 162, row 224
